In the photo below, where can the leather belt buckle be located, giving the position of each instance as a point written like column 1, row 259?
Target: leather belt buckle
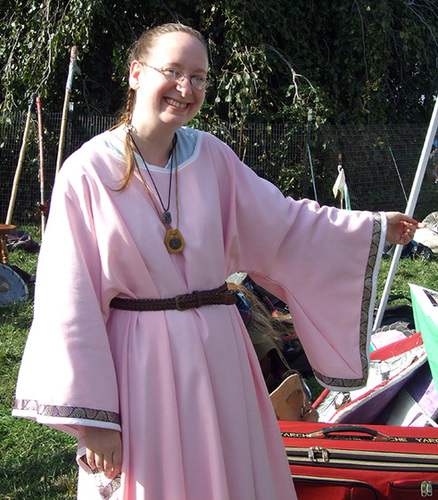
column 178, row 300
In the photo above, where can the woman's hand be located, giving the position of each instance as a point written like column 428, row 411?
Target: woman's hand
column 104, row 450
column 401, row 228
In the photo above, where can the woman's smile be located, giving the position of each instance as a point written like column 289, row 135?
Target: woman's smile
column 176, row 104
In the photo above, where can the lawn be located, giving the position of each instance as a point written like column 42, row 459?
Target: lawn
column 39, row 463
column 35, row 462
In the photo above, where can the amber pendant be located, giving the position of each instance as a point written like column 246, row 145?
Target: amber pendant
column 174, row 241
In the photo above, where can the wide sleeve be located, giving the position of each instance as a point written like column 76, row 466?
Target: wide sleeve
column 67, row 377
column 323, row 262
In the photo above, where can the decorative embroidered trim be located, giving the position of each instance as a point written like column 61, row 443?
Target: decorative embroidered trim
column 365, row 313
column 42, row 410
column 106, row 492
column 105, row 487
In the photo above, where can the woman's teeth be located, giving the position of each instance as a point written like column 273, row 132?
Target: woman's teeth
column 176, row 103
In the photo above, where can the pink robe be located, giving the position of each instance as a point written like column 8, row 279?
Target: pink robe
column 186, row 388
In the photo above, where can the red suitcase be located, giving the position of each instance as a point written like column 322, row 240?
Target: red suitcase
column 339, row 461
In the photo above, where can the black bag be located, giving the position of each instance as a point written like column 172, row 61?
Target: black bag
column 21, row 240
column 402, row 314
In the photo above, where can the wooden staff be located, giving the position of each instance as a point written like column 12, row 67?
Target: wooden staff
column 20, row 161
column 73, row 68
column 43, row 206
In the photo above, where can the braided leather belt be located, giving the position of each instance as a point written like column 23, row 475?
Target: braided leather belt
column 217, row 296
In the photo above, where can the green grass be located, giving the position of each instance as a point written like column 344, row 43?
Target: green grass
column 37, row 462
column 418, row 271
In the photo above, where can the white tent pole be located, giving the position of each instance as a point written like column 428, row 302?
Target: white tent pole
column 412, row 202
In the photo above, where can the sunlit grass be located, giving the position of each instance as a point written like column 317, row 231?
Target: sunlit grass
column 417, row 271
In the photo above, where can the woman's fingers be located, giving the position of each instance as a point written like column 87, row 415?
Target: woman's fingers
column 110, row 465
column 91, row 462
column 104, row 451
column 117, row 461
column 108, row 468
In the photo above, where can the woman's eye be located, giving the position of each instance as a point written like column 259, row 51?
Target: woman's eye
column 171, row 73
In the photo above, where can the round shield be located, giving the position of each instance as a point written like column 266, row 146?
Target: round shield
column 12, row 286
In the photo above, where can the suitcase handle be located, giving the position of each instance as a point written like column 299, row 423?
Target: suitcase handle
column 323, row 433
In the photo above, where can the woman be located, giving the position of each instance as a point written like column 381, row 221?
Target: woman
column 167, row 398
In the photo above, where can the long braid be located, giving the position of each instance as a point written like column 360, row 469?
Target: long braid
column 129, row 153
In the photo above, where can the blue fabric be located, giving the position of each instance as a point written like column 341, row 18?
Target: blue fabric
column 244, row 308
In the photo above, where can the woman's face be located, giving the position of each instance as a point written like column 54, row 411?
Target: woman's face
column 158, row 101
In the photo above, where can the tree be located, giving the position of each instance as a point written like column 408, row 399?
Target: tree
column 352, row 61
column 34, row 46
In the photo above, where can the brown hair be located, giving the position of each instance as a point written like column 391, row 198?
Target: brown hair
column 139, row 52
column 262, row 323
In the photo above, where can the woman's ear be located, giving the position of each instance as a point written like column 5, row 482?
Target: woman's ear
column 134, row 75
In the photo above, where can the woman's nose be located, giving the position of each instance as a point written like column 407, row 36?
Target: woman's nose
column 184, row 86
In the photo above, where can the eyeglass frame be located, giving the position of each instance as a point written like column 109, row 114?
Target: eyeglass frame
column 181, row 77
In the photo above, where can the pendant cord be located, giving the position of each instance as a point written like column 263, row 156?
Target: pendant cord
column 172, row 150
column 176, row 187
column 156, row 189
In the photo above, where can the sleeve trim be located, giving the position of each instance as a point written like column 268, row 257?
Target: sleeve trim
column 367, row 309
column 67, row 414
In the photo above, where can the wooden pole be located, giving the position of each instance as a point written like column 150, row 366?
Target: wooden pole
column 68, row 88
column 20, row 161
column 43, row 207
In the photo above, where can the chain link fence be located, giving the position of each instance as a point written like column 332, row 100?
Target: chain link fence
column 380, row 162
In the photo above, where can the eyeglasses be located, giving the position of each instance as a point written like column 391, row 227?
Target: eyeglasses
column 172, row 75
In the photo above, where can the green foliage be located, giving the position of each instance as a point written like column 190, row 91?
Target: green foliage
column 351, row 62
column 35, row 43
column 254, row 75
